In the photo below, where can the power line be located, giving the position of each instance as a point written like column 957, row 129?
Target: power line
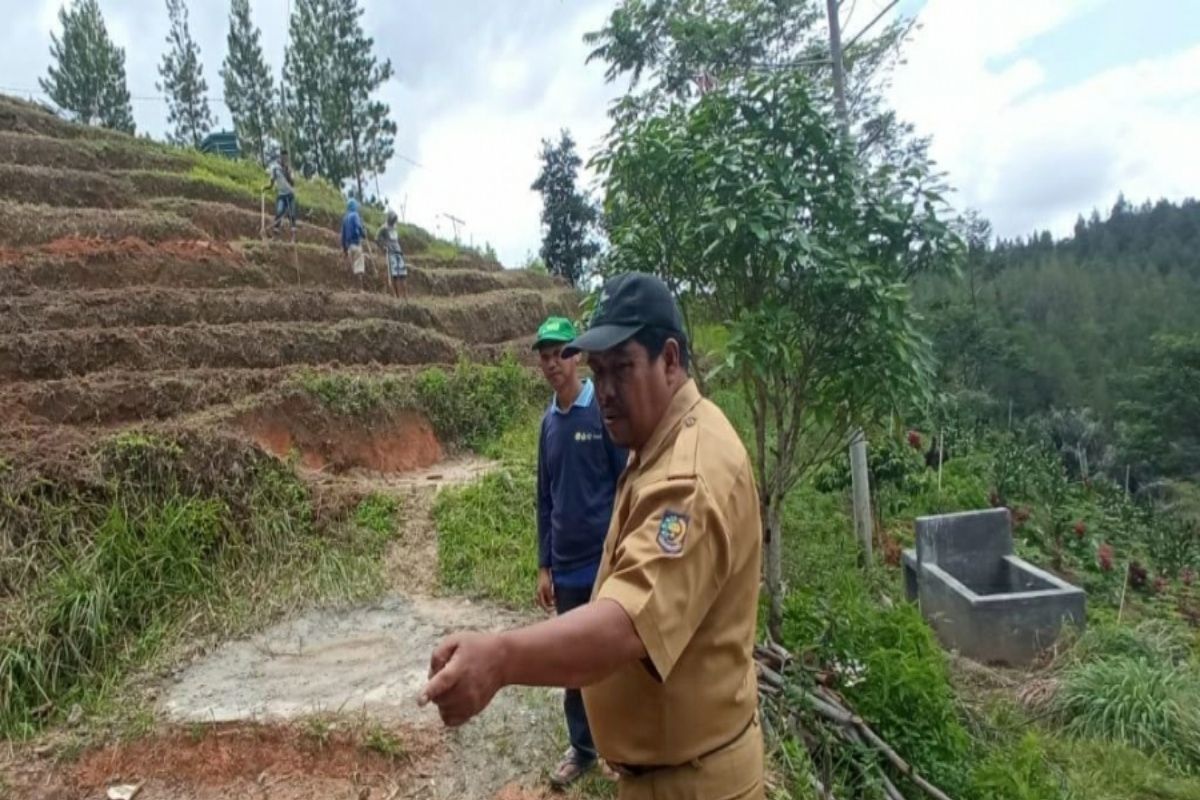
column 139, row 97
column 871, row 24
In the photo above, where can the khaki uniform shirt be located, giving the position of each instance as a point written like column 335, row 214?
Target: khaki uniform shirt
column 682, row 557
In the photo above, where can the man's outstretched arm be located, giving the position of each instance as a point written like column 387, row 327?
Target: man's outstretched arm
column 576, row 649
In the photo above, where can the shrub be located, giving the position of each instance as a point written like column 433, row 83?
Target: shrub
column 1154, row 707
column 1016, row 772
column 474, row 403
column 896, row 673
column 487, row 532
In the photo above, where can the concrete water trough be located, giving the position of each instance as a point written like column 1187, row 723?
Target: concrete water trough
column 981, row 599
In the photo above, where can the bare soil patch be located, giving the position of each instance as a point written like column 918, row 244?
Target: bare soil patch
column 74, row 262
column 152, row 183
column 488, row 317
column 374, row 661
column 247, row 760
column 125, row 397
column 395, row 442
column 59, row 354
column 27, row 117
column 226, row 222
column 26, row 225
column 68, row 188
column 86, row 154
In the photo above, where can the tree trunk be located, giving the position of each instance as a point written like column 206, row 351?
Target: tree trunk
column 357, row 164
column 773, row 532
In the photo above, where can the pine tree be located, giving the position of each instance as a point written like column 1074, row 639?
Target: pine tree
column 309, row 89
column 183, row 81
column 249, row 89
column 342, row 130
column 567, row 217
column 87, row 78
column 370, row 132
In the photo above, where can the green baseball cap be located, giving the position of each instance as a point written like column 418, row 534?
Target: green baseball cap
column 555, row 330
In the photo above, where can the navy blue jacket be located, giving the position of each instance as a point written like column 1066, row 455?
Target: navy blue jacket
column 578, row 468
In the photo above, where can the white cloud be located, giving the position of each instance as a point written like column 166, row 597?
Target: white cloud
column 479, row 156
column 1031, row 154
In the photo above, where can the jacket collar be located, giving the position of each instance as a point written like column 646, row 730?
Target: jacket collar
column 686, row 398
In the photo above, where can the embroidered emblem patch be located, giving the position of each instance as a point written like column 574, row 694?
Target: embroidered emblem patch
column 671, row 531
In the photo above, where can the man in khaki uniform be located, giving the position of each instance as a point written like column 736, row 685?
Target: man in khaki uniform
column 664, row 650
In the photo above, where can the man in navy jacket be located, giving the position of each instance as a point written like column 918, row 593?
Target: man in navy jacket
column 578, row 468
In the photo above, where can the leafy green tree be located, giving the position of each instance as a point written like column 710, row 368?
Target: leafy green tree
column 370, row 132
column 750, row 202
column 87, row 78
column 681, row 48
column 568, row 218
column 342, row 130
column 183, row 81
column 1161, row 421
column 249, row 88
column 684, row 47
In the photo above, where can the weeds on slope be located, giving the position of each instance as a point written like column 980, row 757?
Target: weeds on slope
column 110, row 576
column 469, row 405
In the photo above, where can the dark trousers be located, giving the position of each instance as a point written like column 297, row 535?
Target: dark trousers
column 565, row 599
column 285, row 206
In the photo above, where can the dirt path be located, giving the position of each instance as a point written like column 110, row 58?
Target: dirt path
column 372, row 662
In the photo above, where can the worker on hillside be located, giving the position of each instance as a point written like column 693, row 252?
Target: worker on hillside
column 664, row 650
column 353, row 236
column 389, row 242
column 578, row 469
column 285, row 193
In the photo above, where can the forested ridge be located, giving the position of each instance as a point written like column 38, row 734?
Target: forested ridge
column 1094, row 332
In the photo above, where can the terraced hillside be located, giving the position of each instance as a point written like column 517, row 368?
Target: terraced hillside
column 135, row 286
column 207, row 432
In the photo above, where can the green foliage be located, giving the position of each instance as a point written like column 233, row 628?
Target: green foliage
column 1153, row 706
column 1105, row 771
column 1099, row 321
column 379, row 739
column 1016, row 771
column 249, row 87
column 471, row 404
column 1162, row 417
column 676, row 41
column 141, row 568
column 1152, row 641
column 183, row 81
column 174, row 540
column 793, row 244
column 893, row 670
column 487, row 532
column 377, row 513
column 568, row 217
column 87, row 76
column 340, row 130
column 474, row 403
column 357, row 395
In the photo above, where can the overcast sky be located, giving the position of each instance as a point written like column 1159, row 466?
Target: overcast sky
column 1038, row 109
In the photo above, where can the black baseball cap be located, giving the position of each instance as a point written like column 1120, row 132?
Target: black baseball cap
column 628, row 303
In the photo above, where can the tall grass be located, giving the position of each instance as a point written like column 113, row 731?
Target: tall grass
column 165, row 548
column 471, row 404
column 1151, row 705
column 487, row 532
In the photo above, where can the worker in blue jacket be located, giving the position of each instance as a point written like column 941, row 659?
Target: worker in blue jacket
column 354, row 235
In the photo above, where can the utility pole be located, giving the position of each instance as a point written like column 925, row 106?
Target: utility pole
column 455, row 222
column 859, row 476
column 839, row 68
